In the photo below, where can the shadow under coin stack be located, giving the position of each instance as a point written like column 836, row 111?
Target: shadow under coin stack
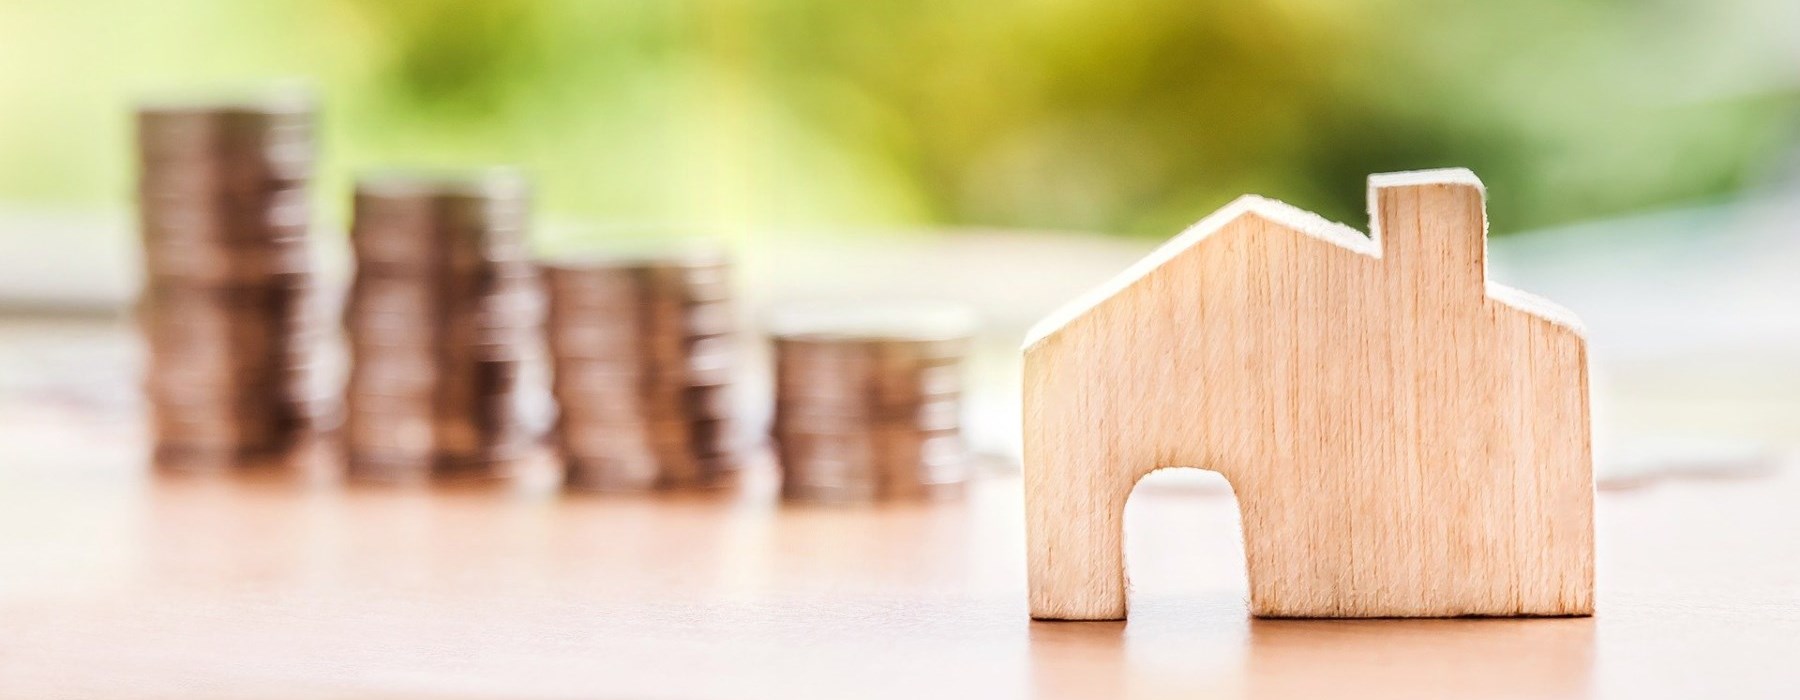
column 226, row 309
column 868, row 402
column 643, row 350
column 443, row 321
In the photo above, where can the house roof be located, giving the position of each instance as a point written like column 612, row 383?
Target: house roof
column 1305, row 223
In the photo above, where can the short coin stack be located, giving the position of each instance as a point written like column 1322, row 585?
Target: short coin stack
column 867, row 402
column 227, row 305
column 443, row 321
column 643, row 349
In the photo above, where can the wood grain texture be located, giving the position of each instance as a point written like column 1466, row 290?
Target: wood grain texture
column 1404, row 439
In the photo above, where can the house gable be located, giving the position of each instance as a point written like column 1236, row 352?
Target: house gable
column 1304, row 223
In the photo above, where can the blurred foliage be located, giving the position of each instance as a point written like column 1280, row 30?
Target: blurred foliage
column 1116, row 115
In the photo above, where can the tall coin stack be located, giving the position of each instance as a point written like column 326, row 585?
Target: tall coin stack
column 643, row 350
column 226, row 308
column 868, row 402
column 443, row 319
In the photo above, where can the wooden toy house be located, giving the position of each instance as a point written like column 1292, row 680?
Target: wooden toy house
column 1403, row 437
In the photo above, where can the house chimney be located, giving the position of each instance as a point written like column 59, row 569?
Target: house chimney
column 1432, row 228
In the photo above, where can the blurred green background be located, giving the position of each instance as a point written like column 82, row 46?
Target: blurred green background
column 1128, row 116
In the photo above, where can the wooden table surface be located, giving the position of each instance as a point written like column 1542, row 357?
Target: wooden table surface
column 117, row 582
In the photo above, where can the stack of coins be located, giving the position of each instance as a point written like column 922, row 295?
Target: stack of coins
column 227, row 305
column 443, row 319
column 643, row 349
column 868, row 402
